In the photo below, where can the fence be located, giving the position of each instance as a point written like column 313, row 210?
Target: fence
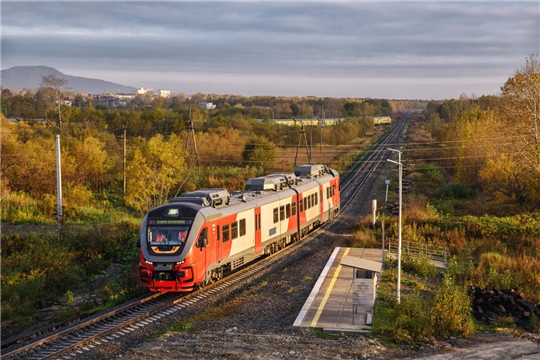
column 434, row 252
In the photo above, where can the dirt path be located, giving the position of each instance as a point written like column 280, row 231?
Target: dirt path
column 484, row 346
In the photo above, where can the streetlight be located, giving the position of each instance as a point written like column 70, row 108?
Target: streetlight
column 387, row 182
column 399, row 227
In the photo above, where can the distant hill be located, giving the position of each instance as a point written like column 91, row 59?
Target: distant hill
column 29, row 77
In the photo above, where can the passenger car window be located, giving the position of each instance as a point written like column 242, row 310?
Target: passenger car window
column 242, row 227
column 226, row 233
column 234, row 229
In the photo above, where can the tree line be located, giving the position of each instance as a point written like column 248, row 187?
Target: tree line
column 159, row 160
column 492, row 142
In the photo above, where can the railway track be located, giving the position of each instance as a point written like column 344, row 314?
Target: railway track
column 114, row 324
column 352, row 184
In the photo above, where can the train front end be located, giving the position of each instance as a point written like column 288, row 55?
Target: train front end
column 167, row 234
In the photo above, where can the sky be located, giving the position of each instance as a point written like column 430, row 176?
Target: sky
column 378, row 49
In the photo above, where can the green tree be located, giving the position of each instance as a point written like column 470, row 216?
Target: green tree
column 158, row 103
column 154, row 172
column 260, row 151
column 521, row 103
column 18, row 106
column 35, row 170
column 86, row 162
column 220, row 146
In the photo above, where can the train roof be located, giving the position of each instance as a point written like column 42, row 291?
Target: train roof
column 256, row 188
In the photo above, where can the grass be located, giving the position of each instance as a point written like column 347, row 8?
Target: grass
column 38, row 269
column 319, row 333
column 430, row 307
column 484, row 250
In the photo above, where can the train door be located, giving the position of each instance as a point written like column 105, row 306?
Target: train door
column 258, row 236
column 216, row 229
column 201, row 254
column 211, row 248
column 321, row 203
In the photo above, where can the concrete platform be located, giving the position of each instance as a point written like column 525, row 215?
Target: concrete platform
column 339, row 301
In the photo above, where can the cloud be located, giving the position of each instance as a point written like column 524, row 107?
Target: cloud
column 326, row 40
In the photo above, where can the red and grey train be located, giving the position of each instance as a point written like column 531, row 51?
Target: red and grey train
column 198, row 237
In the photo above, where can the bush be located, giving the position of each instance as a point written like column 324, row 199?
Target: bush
column 94, row 248
column 430, row 172
column 455, row 191
column 35, row 270
column 77, row 195
column 407, row 321
column 21, row 208
column 419, row 265
column 451, row 309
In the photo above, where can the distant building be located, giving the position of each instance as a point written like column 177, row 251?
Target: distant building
column 125, row 96
column 206, row 105
column 142, row 91
column 165, row 93
column 108, row 101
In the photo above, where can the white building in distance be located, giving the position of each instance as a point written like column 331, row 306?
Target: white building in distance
column 206, row 105
column 142, row 91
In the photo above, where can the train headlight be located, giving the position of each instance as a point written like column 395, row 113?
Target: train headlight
column 180, row 262
column 148, row 262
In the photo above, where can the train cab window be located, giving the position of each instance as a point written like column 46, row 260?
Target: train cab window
column 282, row 212
column 242, row 227
column 234, row 229
column 276, row 215
column 203, row 238
column 226, row 233
column 288, row 211
column 293, row 209
column 166, row 239
column 328, row 192
column 301, row 202
column 218, row 233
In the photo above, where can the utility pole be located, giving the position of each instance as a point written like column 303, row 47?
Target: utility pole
column 320, row 144
column 302, row 134
column 399, row 226
column 59, row 187
column 310, row 142
column 124, row 163
column 191, row 131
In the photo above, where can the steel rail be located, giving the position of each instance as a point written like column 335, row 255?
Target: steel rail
column 376, row 155
column 80, row 326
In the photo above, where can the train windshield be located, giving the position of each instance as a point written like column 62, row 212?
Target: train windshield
column 163, row 239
